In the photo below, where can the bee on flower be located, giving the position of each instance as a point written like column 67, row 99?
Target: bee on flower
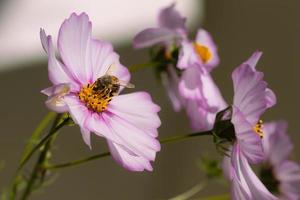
column 87, row 83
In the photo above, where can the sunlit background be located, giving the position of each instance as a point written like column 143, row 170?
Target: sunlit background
column 238, row 27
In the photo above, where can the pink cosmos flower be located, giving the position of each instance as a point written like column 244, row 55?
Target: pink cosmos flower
column 281, row 175
column 171, row 29
column 87, row 82
column 251, row 99
column 188, row 82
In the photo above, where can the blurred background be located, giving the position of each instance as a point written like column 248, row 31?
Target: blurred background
column 239, row 27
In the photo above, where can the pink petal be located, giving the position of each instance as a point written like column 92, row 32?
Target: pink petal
column 187, row 56
column 250, row 143
column 227, row 167
column 249, row 92
column 56, row 105
column 73, row 43
column 152, row 36
column 78, row 111
column 127, row 160
column 56, row 71
column 276, row 143
column 202, row 98
column 247, row 179
column 143, row 114
column 270, row 98
column 171, row 18
column 205, row 39
column 170, row 80
column 190, row 85
column 86, row 136
column 103, row 58
column 253, row 60
column 288, row 173
column 56, row 93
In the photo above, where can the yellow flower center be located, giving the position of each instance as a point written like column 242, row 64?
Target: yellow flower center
column 203, row 52
column 94, row 99
column 258, row 129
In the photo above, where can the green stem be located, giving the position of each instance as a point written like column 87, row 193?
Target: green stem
column 43, row 141
column 106, row 154
column 216, row 197
column 191, row 192
column 38, row 168
column 36, row 134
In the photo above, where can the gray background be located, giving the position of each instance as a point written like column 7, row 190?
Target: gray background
column 239, row 28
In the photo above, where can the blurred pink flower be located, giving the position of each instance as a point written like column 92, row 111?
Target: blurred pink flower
column 129, row 122
column 188, row 82
column 171, row 29
column 279, row 173
column 251, row 99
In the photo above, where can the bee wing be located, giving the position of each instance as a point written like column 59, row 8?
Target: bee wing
column 111, row 69
column 127, row 85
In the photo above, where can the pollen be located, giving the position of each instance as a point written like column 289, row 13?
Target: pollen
column 94, row 100
column 258, row 129
column 203, row 52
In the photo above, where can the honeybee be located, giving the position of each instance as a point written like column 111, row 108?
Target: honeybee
column 109, row 85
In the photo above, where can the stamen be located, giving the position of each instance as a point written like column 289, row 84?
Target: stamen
column 94, row 99
column 258, row 128
column 203, row 52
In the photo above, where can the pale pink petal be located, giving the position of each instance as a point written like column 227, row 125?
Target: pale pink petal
column 56, row 71
column 205, row 39
column 190, row 84
column 247, row 178
column 202, row 98
column 73, row 44
column 171, row 18
column 104, row 60
column 270, row 98
column 56, row 93
column 127, row 160
column 227, row 167
column 238, row 192
column 86, row 136
column 56, row 104
column 170, row 80
column 187, row 56
column 152, row 36
column 288, row 173
column 249, row 92
column 276, row 143
column 143, row 115
column 249, row 141
column 253, row 60
column 78, row 111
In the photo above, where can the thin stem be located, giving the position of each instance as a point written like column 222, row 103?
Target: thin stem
column 43, row 155
column 43, row 141
column 36, row 134
column 216, row 197
column 184, row 137
column 191, row 192
column 106, row 154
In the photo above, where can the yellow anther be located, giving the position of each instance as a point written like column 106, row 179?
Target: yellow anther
column 258, row 128
column 94, row 100
column 203, row 52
